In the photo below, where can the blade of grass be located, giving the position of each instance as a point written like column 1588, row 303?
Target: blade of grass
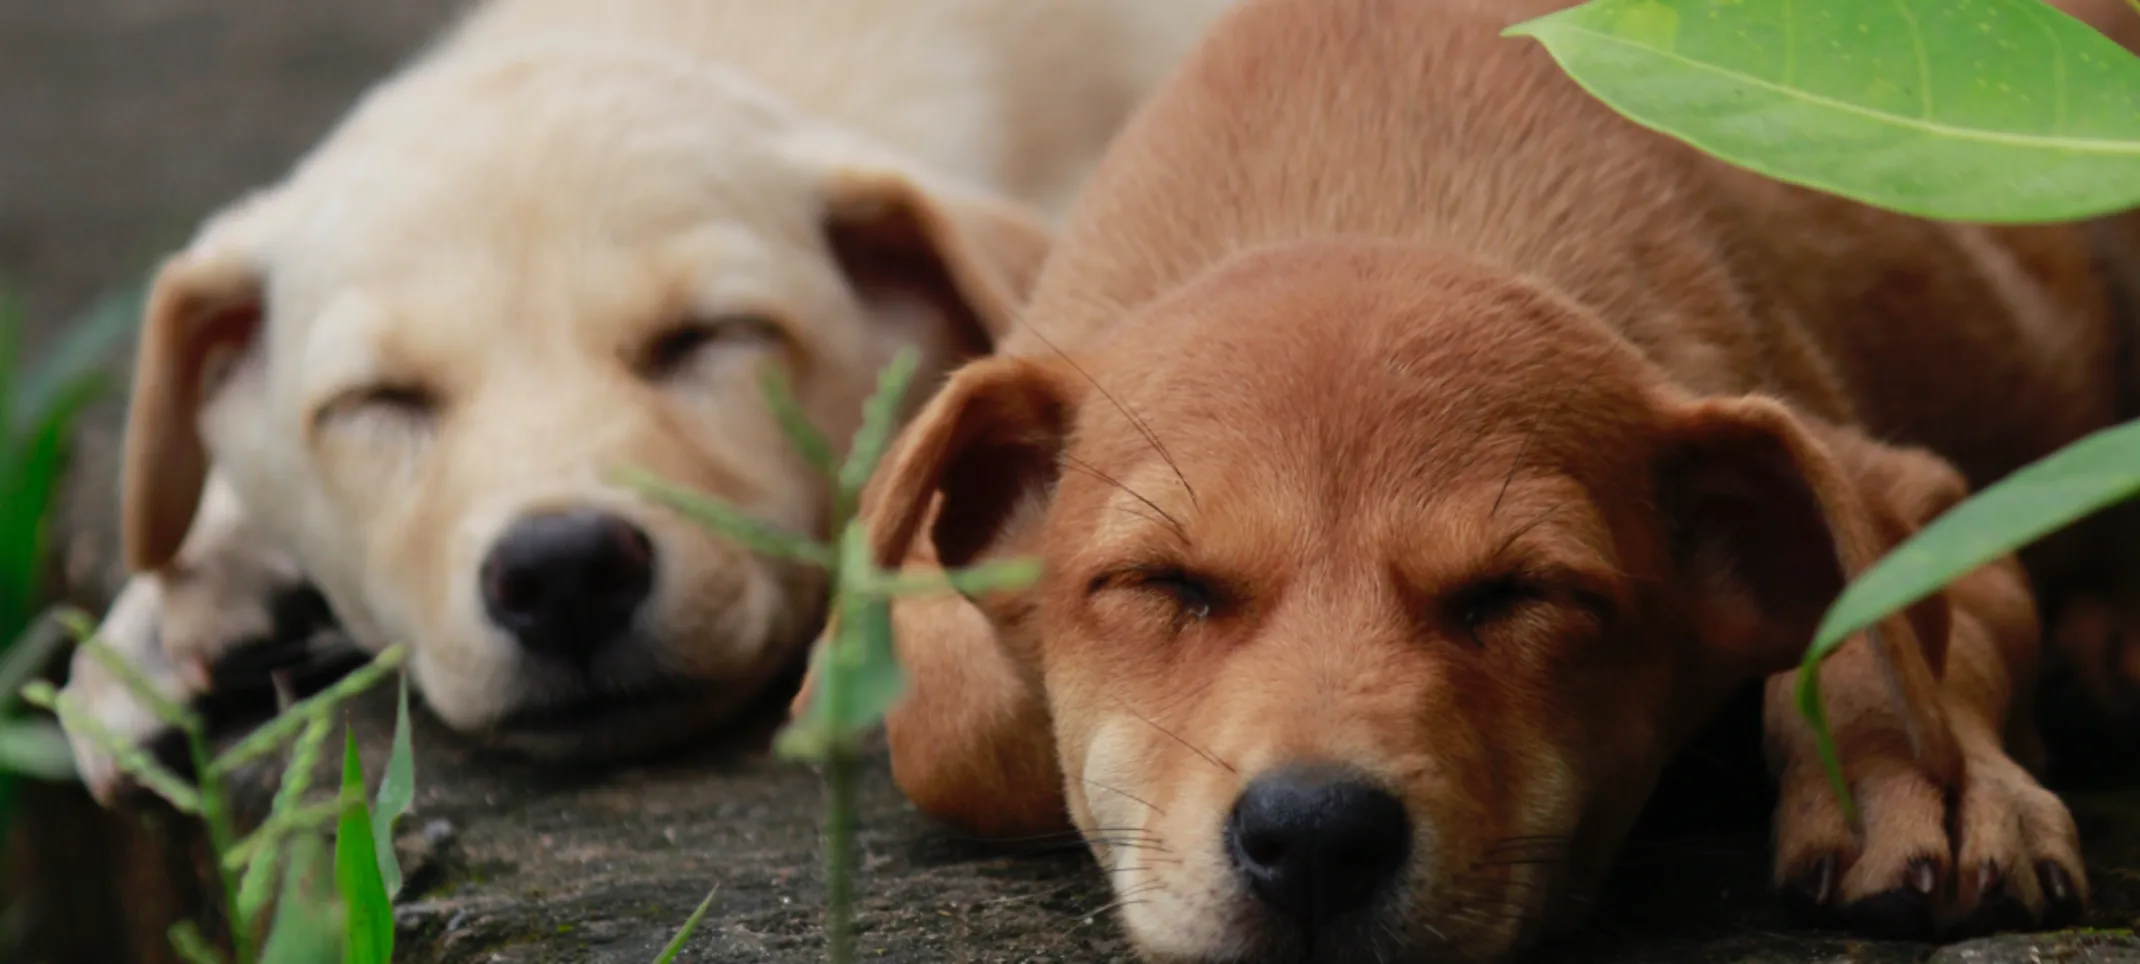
column 13, row 322
column 397, row 790
column 813, row 445
column 683, row 934
column 259, row 852
column 27, row 490
column 880, row 419
column 129, row 675
column 186, row 939
column 275, row 732
column 726, row 520
column 28, row 657
column 130, row 758
column 971, row 581
column 369, row 935
column 35, row 748
column 306, row 930
column 85, row 345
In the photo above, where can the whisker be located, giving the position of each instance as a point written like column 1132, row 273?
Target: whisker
column 1085, row 467
column 1125, row 794
column 1193, row 748
column 1072, row 834
column 1151, row 438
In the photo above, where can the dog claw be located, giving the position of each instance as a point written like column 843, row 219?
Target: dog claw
column 2061, row 898
column 1923, row 876
column 1903, row 912
column 1817, row 883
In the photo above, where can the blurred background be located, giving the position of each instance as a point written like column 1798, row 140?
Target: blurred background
column 122, row 123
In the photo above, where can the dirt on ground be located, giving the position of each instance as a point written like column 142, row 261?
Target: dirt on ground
column 122, row 122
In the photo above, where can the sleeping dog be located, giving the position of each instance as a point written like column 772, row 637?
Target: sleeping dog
column 565, row 241
column 1418, row 453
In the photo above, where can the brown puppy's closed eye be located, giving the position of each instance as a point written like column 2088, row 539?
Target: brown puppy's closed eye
column 1418, row 454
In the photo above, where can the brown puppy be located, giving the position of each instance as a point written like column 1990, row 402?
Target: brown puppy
column 1419, row 453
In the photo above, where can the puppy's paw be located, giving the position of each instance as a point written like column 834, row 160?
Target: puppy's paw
column 1996, row 852
column 129, row 630
column 222, row 622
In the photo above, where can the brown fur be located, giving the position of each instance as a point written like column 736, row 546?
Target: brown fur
column 1368, row 318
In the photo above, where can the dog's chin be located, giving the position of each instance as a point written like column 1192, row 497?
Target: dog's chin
column 608, row 726
column 1381, row 933
column 1324, row 949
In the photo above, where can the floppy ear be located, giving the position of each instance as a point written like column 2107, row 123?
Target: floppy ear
column 204, row 310
column 969, row 481
column 969, row 260
column 1769, row 518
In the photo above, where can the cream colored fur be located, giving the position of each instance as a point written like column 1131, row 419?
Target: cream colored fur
column 448, row 316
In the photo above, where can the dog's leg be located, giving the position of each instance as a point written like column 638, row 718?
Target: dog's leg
column 226, row 590
column 1983, row 846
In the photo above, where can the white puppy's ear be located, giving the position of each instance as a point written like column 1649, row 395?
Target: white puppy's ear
column 205, row 309
column 971, row 260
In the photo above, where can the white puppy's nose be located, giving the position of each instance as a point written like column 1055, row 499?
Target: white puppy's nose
column 567, row 584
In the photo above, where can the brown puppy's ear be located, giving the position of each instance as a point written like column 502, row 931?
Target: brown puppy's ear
column 1770, row 517
column 203, row 311
column 969, row 481
column 969, row 260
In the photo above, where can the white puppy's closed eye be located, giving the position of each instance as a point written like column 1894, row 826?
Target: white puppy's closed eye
column 679, row 351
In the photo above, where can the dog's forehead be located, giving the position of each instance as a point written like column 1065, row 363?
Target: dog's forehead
column 1366, row 366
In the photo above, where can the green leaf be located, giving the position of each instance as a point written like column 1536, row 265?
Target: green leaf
column 1969, row 110
column 27, row 493
column 727, row 520
column 35, row 748
column 880, row 419
column 676, row 944
column 369, row 938
column 815, row 449
column 2058, row 490
column 306, row 930
column 397, row 790
column 186, row 939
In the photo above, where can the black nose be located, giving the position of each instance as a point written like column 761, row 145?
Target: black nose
column 1316, row 841
column 567, row 583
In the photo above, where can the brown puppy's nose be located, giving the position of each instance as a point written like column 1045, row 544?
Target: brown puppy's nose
column 567, row 583
column 1315, row 841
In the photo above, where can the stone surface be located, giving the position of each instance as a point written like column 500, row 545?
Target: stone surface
column 126, row 120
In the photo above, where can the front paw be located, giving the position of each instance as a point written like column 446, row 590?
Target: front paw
column 195, row 640
column 1995, row 851
column 111, row 711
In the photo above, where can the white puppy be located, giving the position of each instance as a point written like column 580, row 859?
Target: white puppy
column 563, row 242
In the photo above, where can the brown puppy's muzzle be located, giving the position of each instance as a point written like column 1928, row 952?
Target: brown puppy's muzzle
column 1322, row 847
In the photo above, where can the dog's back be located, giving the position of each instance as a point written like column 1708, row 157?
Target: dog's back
column 1414, row 119
column 1010, row 95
